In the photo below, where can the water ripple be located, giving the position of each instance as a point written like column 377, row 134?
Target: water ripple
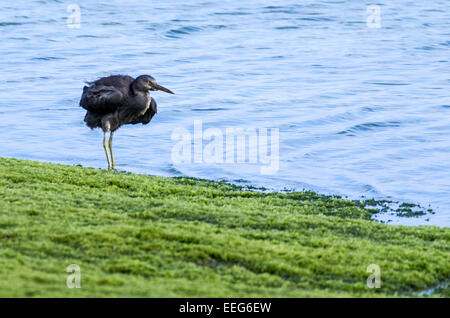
column 353, row 131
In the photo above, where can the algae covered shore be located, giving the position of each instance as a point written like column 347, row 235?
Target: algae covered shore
column 146, row 236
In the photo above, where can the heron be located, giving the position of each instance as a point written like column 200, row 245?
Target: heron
column 117, row 100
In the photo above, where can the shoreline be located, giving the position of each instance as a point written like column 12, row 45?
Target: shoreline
column 390, row 211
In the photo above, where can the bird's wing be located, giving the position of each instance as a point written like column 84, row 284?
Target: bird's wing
column 101, row 99
column 148, row 115
column 118, row 81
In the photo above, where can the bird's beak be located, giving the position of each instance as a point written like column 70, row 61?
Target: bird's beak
column 162, row 88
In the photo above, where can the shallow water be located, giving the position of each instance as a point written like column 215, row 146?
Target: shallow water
column 360, row 111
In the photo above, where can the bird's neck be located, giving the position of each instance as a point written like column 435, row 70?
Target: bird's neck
column 132, row 89
column 135, row 91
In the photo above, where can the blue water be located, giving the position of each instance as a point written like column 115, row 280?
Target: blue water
column 360, row 111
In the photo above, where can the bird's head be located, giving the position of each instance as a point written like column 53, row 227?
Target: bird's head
column 148, row 83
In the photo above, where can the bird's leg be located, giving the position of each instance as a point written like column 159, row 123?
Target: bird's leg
column 106, row 150
column 110, row 150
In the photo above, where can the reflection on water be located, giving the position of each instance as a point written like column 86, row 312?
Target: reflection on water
column 360, row 111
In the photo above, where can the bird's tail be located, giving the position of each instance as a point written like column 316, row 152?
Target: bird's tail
column 85, row 89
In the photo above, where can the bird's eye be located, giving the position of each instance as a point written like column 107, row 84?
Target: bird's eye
column 149, row 83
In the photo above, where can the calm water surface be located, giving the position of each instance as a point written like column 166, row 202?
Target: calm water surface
column 360, row 111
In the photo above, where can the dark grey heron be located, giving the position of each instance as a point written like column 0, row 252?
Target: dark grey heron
column 117, row 100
